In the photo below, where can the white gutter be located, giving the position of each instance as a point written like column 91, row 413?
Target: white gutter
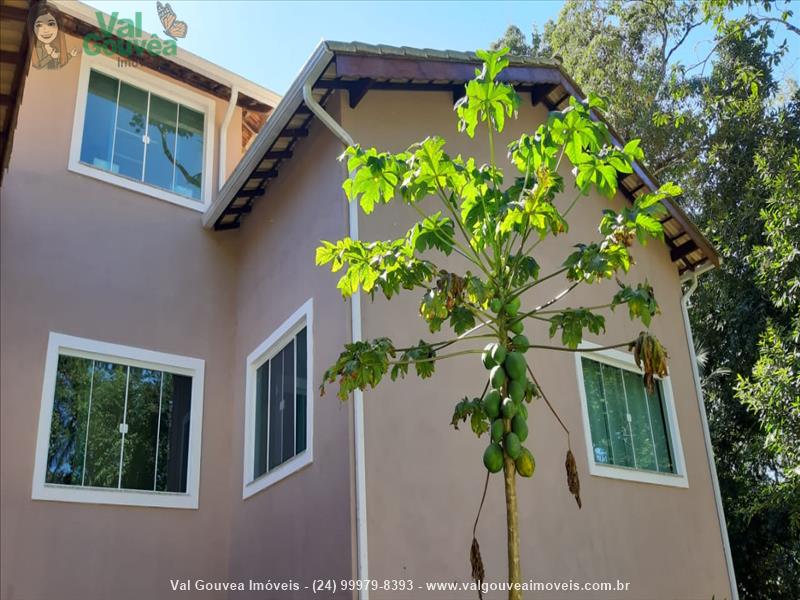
column 301, row 92
column 223, row 137
column 358, row 396
column 278, row 119
column 723, row 529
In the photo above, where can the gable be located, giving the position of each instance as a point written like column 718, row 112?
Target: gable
column 358, row 68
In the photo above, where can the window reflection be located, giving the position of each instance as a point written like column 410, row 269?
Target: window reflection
column 118, row 426
column 143, row 136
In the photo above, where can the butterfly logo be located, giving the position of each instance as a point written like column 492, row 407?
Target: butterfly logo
column 172, row 27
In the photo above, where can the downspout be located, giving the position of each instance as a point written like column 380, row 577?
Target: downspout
column 358, row 395
column 723, row 529
column 223, row 137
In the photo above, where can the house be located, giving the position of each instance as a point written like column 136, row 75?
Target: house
column 164, row 332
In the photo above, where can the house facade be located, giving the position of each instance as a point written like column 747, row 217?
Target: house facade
column 164, row 332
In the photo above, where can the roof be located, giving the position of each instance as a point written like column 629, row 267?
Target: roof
column 357, row 68
column 14, row 61
column 80, row 19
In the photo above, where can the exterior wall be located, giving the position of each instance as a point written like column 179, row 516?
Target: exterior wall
column 94, row 260
column 299, row 528
column 424, row 480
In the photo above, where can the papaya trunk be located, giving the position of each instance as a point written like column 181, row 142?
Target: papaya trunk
column 512, row 522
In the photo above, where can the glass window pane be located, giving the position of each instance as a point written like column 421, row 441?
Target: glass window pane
column 104, row 439
column 640, row 421
column 302, row 392
column 275, row 410
column 287, row 426
column 128, row 142
column 139, row 447
column 173, row 434
column 598, row 419
column 189, row 153
column 262, row 408
column 98, row 124
column 69, row 421
column 660, row 430
column 160, row 157
column 617, row 416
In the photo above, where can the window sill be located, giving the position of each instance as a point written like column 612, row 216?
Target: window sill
column 89, row 495
column 269, row 478
column 638, row 476
column 137, row 186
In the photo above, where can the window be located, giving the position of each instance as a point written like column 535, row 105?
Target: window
column 118, row 425
column 630, row 433
column 134, row 131
column 278, row 428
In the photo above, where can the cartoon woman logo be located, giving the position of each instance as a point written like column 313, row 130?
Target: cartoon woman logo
column 49, row 42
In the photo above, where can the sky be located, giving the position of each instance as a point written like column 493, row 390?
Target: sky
column 268, row 42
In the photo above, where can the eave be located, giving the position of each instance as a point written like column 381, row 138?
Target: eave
column 358, row 68
column 15, row 60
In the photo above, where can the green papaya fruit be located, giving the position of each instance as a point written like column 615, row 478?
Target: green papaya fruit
column 521, row 343
column 516, row 327
column 520, row 427
column 497, row 430
column 523, row 410
column 512, row 445
column 525, row 464
column 508, row 408
column 496, row 305
column 516, row 390
column 512, row 306
column 499, row 353
column 491, row 404
column 498, row 377
column 486, row 357
column 493, row 458
column 515, row 366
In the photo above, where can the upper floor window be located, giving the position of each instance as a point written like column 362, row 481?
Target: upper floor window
column 118, row 425
column 631, row 432
column 133, row 130
column 279, row 411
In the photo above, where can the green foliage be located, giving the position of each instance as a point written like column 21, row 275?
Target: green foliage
column 773, row 393
column 640, row 300
column 487, row 100
column 572, row 322
column 492, row 228
column 494, row 223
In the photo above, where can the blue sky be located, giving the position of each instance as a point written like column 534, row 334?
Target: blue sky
column 268, row 42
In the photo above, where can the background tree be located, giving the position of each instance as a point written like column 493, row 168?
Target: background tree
column 495, row 227
column 706, row 125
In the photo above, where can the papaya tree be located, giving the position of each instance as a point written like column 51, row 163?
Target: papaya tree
column 495, row 226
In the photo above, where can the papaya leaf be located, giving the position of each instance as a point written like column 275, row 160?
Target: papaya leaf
column 572, row 322
column 641, row 301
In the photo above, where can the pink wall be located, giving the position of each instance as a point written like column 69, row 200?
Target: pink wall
column 300, row 527
column 94, row 260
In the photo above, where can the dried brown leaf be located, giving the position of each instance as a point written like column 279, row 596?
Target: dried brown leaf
column 573, row 482
column 477, row 565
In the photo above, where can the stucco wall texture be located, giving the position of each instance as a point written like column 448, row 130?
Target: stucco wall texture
column 90, row 259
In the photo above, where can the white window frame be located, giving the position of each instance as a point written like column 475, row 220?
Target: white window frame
column 625, row 361
column 60, row 344
column 303, row 317
column 160, row 87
